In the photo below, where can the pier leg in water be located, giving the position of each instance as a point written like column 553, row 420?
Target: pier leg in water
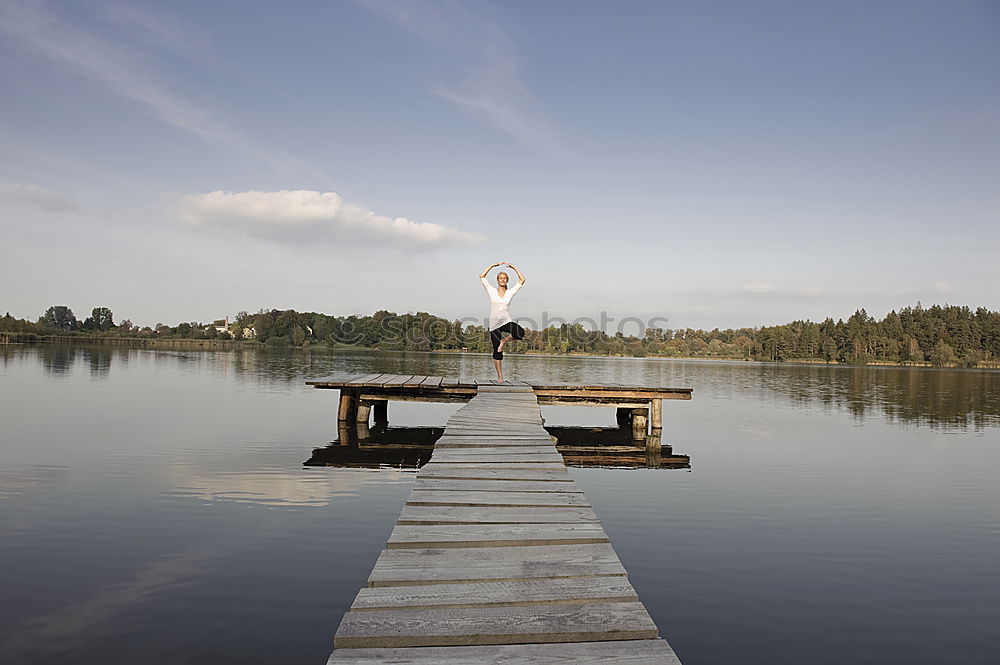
column 364, row 411
column 656, row 414
column 348, row 406
column 639, row 419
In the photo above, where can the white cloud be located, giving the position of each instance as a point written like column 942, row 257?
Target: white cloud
column 38, row 196
column 306, row 216
column 941, row 287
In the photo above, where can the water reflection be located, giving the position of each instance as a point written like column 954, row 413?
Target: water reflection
column 15, row 481
column 942, row 399
column 385, row 446
column 272, row 488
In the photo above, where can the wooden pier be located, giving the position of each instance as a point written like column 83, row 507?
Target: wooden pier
column 366, row 396
column 497, row 557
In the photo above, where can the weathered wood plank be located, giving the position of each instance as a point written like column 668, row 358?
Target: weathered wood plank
column 462, row 456
column 630, row 652
column 557, row 474
column 486, row 594
column 404, row 567
column 396, row 380
column 429, row 483
column 495, row 515
column 495, row 625
column 431, row 382
column 494, row 535
column 361, row 379
column 486, row 448
column 419, row 497
column 484, row 442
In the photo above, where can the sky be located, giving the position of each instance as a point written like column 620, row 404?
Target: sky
column 695, row 164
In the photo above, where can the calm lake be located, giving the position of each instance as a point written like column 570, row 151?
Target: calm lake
column 154, row 506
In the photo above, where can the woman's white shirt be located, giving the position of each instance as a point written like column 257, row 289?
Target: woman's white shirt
column 499, row 312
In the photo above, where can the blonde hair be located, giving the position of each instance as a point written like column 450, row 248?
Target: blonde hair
column 505, row 275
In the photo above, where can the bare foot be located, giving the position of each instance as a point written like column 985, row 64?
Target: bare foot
column 502, row 343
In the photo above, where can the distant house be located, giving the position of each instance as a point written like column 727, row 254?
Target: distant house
column 222, row 325
column 249, row 333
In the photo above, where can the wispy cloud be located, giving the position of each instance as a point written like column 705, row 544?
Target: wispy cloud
column 37, row 196
column 773, row 288
column 126, row 72
column 488, row 84
column 308, row 217
column 157, row 28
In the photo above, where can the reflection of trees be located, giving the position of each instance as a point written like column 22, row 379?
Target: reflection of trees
column 99, row 359
column 937, row 398
column 58, row 359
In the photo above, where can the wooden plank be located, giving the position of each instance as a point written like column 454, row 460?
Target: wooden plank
column 396, row 380
column 415, row 381
column 420, row 497
column 362, row 379
column 557, row 474
column 444, row 443
column 431, row 382
column 478, row 456
column 494, row 535
column 495, row 515
column 426, row 483
column 495, row 625
column 506, row 464
column 630, row 652
column 494, row 594
column 486, row 448
column 332, row 380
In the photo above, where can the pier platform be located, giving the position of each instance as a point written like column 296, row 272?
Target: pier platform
column 366, row 396
column 497, row 556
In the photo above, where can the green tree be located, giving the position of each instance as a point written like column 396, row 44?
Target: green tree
column 59, row 316
column 103, row 318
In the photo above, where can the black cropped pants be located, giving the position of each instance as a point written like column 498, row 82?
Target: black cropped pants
column 514, row 330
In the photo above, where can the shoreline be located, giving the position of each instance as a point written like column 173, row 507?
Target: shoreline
column 232, row 344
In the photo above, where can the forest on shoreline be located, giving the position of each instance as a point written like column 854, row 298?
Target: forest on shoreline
column 947, row 335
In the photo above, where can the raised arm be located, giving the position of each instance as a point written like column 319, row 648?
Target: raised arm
column 487, row 271
column 520, row 276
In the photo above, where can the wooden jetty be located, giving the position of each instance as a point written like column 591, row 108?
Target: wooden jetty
column 497, row 557
column 366, row 396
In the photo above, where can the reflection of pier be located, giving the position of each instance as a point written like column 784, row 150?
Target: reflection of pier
column 410, row 448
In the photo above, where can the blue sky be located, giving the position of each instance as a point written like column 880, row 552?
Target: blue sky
column 715, row 164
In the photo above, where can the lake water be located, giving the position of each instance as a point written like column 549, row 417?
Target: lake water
column 154, row 506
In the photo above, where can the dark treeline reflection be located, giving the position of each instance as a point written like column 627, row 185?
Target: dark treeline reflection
column 936, row 398
column 958, row 399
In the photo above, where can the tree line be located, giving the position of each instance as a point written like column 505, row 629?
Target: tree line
column 939, row 335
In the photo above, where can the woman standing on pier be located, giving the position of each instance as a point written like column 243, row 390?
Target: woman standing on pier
column 500, row 320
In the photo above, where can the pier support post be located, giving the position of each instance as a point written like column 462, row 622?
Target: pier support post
column 639, row 419
column 347, row 413
column 653, row 449
column 381, row 408
column 364, row 410
column 656, row 414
